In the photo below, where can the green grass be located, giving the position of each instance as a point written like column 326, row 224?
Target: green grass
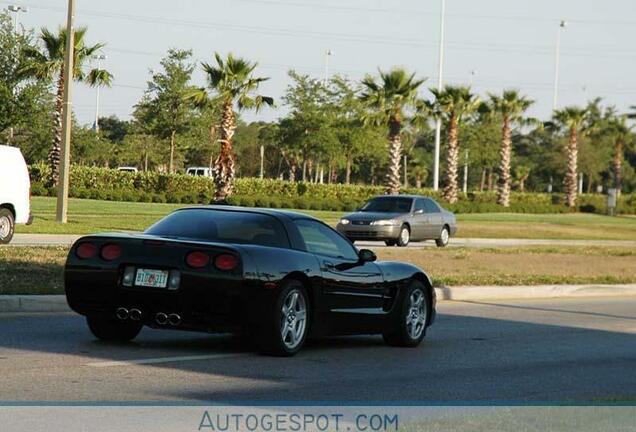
column 38, row 270
column 87, row 216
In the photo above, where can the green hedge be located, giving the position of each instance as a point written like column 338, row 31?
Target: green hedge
column 113, row 185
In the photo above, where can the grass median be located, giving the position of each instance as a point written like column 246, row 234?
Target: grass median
column 88, row 216
column 38, row 270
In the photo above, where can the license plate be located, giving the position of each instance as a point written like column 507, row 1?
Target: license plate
column 151, row 278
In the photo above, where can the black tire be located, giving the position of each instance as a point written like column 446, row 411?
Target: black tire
column 390, row 242
column 7, row 225
column 270, row 338
column 444, row 238
column 113, row 330
column 404, row 239
column 399, row 335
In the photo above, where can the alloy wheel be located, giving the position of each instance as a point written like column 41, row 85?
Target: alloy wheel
column 293, row 319
column 416, row 314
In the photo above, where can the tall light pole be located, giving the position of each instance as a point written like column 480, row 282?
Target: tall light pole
column 440, row 84
column 262, row 162
column 562, row 26
column 328, row 53
column 62, row 190
column 16, row 9
column 99, row 59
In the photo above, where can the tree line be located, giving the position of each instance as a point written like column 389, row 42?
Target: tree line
column 375, row 131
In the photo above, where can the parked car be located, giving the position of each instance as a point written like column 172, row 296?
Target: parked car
column 398, row 220
column 199, row 171
column 277, row 275
column 128, row 169
column 15, row 192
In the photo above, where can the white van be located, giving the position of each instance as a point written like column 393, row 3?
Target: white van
column 199, row 171
column 15, row 192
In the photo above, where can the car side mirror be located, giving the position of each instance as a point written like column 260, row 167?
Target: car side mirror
column 420, row 211
column 367, row 255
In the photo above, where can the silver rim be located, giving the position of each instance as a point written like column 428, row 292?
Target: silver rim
column 5, row 227
column 416, row 314
column 404, row 236
column 293, row 319
column 444, row 236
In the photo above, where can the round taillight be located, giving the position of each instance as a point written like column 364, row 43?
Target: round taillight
column 86, row 250
column 225, row 262
column 197, row 259
column 111, row 252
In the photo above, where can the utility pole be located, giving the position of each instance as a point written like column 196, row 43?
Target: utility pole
column 562, row 26
column 440, row 84
column 262, row 161
column 99, row 59
column 62, row 191
column 466, row 173
column 328, row 53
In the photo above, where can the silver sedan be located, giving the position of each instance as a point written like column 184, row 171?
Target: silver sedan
column 398, row 220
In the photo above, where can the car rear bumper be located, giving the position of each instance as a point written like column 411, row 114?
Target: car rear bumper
column 369, row 232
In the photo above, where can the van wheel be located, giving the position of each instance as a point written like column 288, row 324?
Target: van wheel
column 7, row 225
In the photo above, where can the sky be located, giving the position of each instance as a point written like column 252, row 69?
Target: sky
column 491, row 44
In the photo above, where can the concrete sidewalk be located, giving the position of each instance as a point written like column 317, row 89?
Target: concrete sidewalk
column 57, row 303
column 68, row 239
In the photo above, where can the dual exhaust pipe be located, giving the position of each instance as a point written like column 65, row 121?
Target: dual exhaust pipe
column 124, row 314
column 173, row 319
column 136, row 315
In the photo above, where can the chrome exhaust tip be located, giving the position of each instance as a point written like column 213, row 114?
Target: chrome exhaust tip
column 135, row 314
column 161, row 318
column 121, row 313
column 174, row 319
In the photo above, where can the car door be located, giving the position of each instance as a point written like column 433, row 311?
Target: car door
column 349, row 287
column 435, row 219
column 419, row 221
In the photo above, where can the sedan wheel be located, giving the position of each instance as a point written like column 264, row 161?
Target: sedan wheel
column 287, row 324
column 412, row 319
column 405, row 236
column 6, row 226
column 444, row 238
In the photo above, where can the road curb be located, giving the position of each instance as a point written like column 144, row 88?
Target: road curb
column 57, row 303
column 532, row 292
column 33, row 303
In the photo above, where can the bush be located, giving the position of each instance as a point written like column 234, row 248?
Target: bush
column 103, row 183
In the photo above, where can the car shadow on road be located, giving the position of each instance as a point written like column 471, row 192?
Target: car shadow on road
column 464, row 358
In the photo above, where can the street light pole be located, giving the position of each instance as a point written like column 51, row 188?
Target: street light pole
column 16, row 11
column 62, row 191
column 99, row 58
column 328, row 53
column 262, row 161
column 562, row 26
column 440, row 84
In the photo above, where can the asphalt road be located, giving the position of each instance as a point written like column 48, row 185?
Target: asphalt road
column 68, row 239
column 550, row 350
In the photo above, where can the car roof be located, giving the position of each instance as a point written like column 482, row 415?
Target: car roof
column 270, row 212
column 401, row 196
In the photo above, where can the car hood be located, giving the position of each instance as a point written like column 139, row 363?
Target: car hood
column 372, row 216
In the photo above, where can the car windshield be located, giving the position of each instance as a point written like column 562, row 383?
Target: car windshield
column 222, row 226
column 388, row 205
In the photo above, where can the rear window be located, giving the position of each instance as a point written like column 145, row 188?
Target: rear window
column 222, row 226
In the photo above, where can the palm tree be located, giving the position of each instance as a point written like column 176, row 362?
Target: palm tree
column 522, row 172
column 50, row 64
column 575, row 120
column 232, row 82
column 453, row 103
column 622, row 132
column 510, row 107
column 388, row 99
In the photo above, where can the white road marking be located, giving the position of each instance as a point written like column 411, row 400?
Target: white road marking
column 160, row 360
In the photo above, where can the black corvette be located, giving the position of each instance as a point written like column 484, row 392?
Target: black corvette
column 278, row 276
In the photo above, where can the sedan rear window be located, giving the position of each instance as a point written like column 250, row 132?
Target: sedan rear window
column 388, row 205
column 222, row 226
